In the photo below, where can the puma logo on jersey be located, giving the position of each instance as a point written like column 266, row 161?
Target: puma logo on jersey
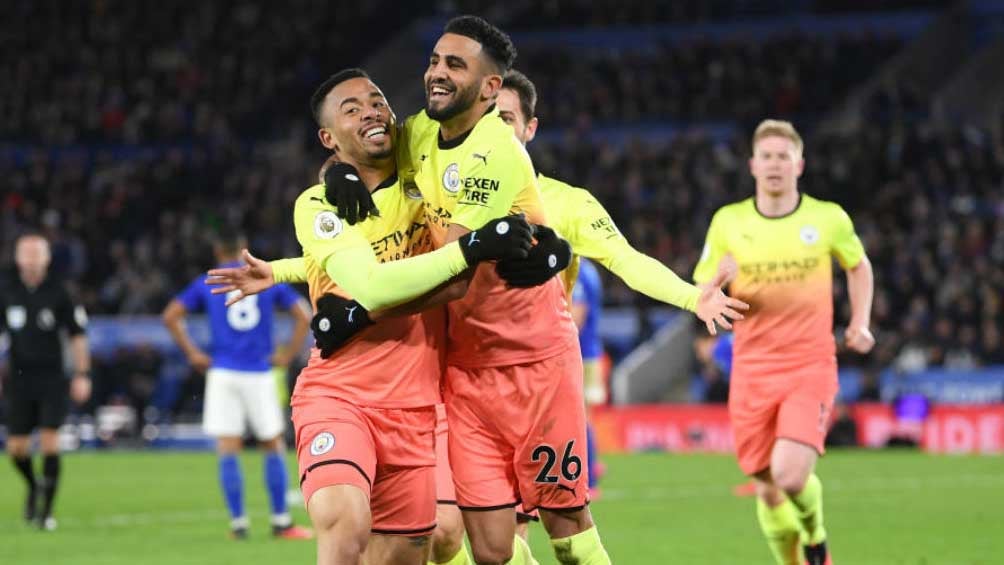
column 484, row 158
column 474, row 238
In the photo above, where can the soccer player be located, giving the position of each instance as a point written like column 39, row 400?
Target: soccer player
column 577, row 216
column 365, row 416
column 37, row 309
column 778, row 246
column 587, row 303
column 587, row 226
column 513, row 385
column 239, row 384
column 587, row 223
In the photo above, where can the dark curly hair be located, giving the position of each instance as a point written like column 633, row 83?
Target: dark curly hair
column 494, row 42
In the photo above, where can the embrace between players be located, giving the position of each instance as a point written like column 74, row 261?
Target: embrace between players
column 433, row 269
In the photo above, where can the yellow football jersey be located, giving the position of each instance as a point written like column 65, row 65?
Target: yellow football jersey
column 468, row 181
column 785, row 274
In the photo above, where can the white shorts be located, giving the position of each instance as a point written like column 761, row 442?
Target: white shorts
column 235, row 398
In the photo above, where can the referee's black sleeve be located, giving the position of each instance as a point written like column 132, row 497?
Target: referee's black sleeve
column 72, row 315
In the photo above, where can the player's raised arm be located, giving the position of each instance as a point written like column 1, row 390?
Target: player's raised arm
column 594, row 235
column 348, row 258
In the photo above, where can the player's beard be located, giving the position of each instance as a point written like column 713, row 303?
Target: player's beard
column 463, row 99
column 381, row 154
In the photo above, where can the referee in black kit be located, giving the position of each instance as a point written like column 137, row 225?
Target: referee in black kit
column 35, row 310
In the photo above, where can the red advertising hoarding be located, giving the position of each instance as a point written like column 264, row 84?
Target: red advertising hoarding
column 688, row 428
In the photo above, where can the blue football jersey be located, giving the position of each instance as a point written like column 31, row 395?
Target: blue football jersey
column 588, row 290
column 241, row 335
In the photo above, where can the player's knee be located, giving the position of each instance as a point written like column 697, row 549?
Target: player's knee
column 274, row 444
column 347, row 533
column 791, row 481
column 566, row 523
column 18, row 446
column 492, row 554
column 228, row 445
column 341, row 518
column 448, row 535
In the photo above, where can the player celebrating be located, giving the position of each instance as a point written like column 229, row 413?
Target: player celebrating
column 587, row 224
column 778, row 245
column 365, row 417
column 36, row 309
column 239, row 384
column 513, row 385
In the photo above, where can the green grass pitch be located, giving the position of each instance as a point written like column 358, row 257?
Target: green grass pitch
column 882, row 508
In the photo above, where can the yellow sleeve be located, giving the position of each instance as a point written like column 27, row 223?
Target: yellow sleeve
column 491, row 179
column 593, row 234
column 414, row 139
column 348, row 259
column 714, row 250
column 289, row 270
column 846, row 247
column 650, row 277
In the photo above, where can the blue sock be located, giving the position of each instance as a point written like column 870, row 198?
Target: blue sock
column 233, row 485
column 591, row 456
column 276, row 480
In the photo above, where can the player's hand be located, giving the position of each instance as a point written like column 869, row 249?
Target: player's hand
column 345, row 191
column 713, row 306
column 502, row 238
column 336, row 322
column 548, row 257
column 859, row 338
column 253, row 277
column 80, row 388
column 199, row 360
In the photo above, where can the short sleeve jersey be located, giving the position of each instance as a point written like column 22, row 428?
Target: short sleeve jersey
column 241, row 334
column 785, row 274
column 35, row 318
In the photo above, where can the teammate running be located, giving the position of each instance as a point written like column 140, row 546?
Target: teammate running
column 778, row 245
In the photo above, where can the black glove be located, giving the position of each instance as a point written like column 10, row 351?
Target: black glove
column 336, row 322
column 548, row 257
column 502, row 238
column 344, row 190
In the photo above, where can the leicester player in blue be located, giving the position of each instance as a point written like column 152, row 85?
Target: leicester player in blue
column 587, row 304
column 239, row 384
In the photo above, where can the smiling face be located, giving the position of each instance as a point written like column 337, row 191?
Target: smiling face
column 457, row 77
column 357, row 122
column 776, row 165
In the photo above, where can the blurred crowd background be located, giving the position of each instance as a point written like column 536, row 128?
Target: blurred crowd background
column 128, row 159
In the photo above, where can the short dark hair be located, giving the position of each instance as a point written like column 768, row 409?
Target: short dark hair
column 317, row 98
column 527, row 92
column 229, row 239
column 495, row 42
